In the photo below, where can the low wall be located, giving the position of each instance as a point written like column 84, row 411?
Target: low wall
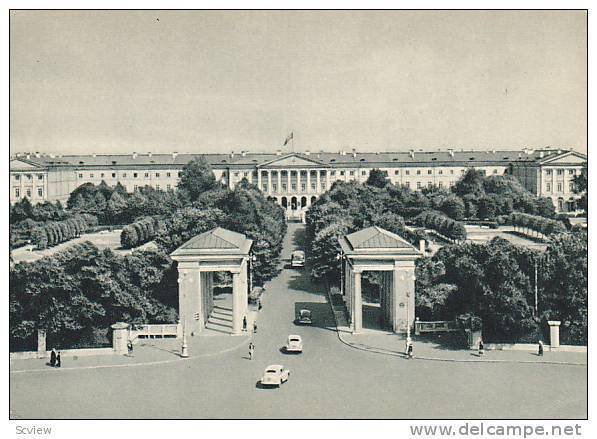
column 532, row 347
column 63, row 353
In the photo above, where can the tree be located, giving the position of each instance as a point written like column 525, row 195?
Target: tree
column 115, row 208
column 454, row 207
column 378, row 178
column 470, row 183
column 197, row 177
column 581, row 186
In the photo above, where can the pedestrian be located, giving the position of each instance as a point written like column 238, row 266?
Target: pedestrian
column 409, row 350
column 53, row 357
column 129, row 347
column 259, row 305
column 244, row 323
column 58, row 361
column 481, row 348
column 255, row 327
column 251, row 350
column 540, row 353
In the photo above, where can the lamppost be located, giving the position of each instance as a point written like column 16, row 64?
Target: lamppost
column 252, row 258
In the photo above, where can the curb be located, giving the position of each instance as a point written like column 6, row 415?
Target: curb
column 149, row 363
column 382, row 351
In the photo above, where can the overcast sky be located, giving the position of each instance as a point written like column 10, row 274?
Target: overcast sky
column 118, row 82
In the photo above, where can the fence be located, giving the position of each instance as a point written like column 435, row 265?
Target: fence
column 437, row 326
column 154, row 330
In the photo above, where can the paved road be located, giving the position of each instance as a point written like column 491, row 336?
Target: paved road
column 329, row 380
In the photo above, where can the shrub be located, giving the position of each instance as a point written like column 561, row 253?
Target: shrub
column 442, row 224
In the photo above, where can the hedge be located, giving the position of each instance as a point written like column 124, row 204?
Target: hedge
column 141, row 231
column 442, row 224
column 55, row 232
column 536, row 223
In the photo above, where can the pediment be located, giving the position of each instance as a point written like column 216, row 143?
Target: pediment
column 293, row 161
column 21, row 165
column 570, row 157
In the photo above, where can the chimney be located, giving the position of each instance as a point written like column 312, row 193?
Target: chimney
column 174, row 154
column 307, row 152
column 411, row 153
column 28, row 156
column 451, row 152
column 94, row 155
column 354, row 152
column 540, row 154
column 342, row 152
column 134, row 155
column 149, row 153
column 243, row 153
column 278, row 152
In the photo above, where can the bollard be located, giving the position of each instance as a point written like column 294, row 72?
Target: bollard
column 120, row 337
column 41, row 344
column 554, row 334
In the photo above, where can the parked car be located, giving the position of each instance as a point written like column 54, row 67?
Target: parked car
column 297, row 259
column 305, row 317
column 275, row 375
column 294, row 344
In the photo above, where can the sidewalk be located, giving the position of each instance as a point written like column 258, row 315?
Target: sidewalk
column 154, row 351
column 387, row 343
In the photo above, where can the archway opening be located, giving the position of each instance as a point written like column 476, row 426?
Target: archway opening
column 293, row 203
column 284, row 202
column 303, row 202
column 313, row 200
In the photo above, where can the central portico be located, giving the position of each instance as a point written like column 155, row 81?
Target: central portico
column 215, row 250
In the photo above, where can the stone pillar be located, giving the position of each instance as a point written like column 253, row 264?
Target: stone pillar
column 348, row 291
column 41, row 343
column 403, row 295
column 244, row 280
column 318, row 180
column 237, row 310
column 308, row 182
column 120, row 332
column 358, row 304
column 279, row 174
column 327, row 180
column 259, row 179
column 554, row 334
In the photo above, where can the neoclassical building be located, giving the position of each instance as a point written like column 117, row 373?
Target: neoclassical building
column 296, row 180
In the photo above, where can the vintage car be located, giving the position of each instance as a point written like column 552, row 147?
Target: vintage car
column 294, row 344
column 297, row 259
column 275, row 375
column 304, row 317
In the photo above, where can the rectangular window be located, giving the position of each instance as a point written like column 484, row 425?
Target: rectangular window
column 548, row 172
column 235, row 174
column 559, row 187
column 407, row 184
column 418, row 172
column 440, row 172
column 40, row 176
column 396, row 172
column 157, row 174
column 441, row 185
column 332, row 173
column 570, row 171
column 293, row 186
column 313, row 186
column 452, row 171
column 179, row 174
column 17, row 192
column 429, row 172
column 560, row 172
column 429, row 184
column 407, row 172
column 284, row 187
column 495, row 171
column 274, row 187
column 351, row 173
column 29, row 193
column 124, row 175
column 168, row 174
column 341, row 172
column 147, row 175
column 303, row 187
column 28, row 176
column 40, row 192
column 113, row 174
column 135, row 176
column 80, row 175
column 102, row 175
column 90, row 175
column 363, row 172
column 136, row 187
column 418, row 185
column 571, row 186
column 548, row 187
column 17, row 177
column 168, row 187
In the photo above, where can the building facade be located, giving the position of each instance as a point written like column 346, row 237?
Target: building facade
column 296, row 180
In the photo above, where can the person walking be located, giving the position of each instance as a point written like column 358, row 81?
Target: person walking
column 481, row 348
column 540, row 351
column 251, row 350
column 259, row 305
column 129, row 348
column 255, row 327
column 53, row 357
column 409, row 350
column 244, row 323
column 58, row 360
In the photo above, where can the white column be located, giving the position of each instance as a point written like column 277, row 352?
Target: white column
column 308, row 181
column 259, row 179
column 237, row 316
column 269, row 182
column 198, row 317
column 318, row 180
column 279, row 181
column 327, row 179
column 358, row 305
column 554, row 334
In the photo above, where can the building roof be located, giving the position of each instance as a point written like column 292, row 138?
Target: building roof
column 215, row 241
column 376, row 240
column 314, row 159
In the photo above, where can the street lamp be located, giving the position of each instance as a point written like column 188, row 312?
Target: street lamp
column 252, row 258
column 340, row 257
column 184, row 353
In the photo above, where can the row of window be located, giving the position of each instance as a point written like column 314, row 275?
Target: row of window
column 135, row 175
column 17, row 177
column 561, row 171
column 560, row 186
column 40, row 192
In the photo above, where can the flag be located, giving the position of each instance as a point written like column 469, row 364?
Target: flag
column 289, row 138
